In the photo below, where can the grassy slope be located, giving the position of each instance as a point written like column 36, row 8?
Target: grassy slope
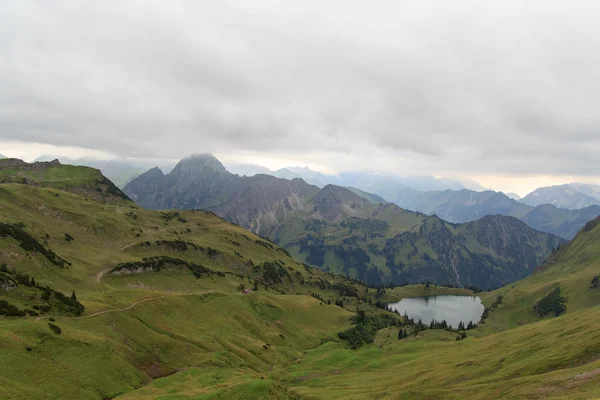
column 572, row 268
column 514, row 355
column 537, row 361
column 154, row 324
column 180, row 321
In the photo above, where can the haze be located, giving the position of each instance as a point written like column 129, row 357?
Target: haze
column 502, row 93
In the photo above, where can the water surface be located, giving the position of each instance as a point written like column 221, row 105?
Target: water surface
column 453, row 309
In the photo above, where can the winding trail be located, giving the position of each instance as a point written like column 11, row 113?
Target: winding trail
column 120, row 309
column 144, row 300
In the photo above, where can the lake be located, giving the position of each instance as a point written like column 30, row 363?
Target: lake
column 453, row 309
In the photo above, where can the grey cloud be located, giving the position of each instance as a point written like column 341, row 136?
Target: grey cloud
column 465, row 86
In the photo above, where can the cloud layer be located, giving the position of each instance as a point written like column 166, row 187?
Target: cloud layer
column 476, row 87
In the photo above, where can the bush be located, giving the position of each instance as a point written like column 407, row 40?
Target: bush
column 54, row 328
column 365, row 329
column 552, row 302
column 10, row 310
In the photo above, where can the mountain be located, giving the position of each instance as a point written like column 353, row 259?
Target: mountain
column 119, row 171
column 248, row 169
column 586, row 188
column 306, row 174
column 339, row 231
column 97, row 299
column 2, row 156
column 366, row 181
column 373, row 198
column 537, row 340
column 513, row 196
column 574, row 269
column 88, row 182
column 563, row 196
column 467, row 205
column 108, row 300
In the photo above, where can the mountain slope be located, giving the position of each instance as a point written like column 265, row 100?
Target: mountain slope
column 563, row 196
column 515, row 353
column 338, row 230
column 373, row 198
column 84, row 181
column 586, row 188
column 572, row 268
column 119, row 171
column 160, row 292
column 165, row 315
column 466, row 205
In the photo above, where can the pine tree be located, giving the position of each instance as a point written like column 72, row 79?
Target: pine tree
column 73, row 296
column 32, row 282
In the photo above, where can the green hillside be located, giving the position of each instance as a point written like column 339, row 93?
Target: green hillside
column 103, row 300
column 573, row 269
column 154, row 293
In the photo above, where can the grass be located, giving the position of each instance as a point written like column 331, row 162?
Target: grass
column 168, row 335
column 554, row 358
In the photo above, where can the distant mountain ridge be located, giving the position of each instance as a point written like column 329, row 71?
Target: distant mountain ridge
column 454, row 203
column 354, row 179
column 460, row 206
column 341, row 231
column 570, row 196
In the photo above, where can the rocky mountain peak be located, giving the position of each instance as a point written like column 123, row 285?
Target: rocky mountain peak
column 333, row 201
column 196, row 163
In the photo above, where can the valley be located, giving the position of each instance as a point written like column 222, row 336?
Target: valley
column 339, row 231
column 130, row 303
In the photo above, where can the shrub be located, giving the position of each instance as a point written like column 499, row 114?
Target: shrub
column 552, row 302
column 364, row 329
column 54, row 328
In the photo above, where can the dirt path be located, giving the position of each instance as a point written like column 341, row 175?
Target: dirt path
column 144, row 300
column 120, row 309
column 126, row 246
column 100, row 274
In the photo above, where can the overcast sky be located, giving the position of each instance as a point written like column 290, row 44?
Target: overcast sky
column 504, row 92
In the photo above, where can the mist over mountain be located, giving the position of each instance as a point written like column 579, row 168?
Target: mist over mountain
column 248, row 169
column 460, row 206
column 343, row 231
column 513, row 196
column 367, row 181
column 586, row 188
column 570, row 196
column 2, row 156
column 119, row 171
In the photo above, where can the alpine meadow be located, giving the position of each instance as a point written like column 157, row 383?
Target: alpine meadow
column 263, row 200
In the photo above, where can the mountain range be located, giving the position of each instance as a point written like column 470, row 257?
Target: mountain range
column 558, row 214
column 339, row 231
column 355, row 179
column 102, row 299
column 571, row 196
column 467, row 205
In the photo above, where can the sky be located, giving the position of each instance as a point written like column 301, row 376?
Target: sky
column 503, row 93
